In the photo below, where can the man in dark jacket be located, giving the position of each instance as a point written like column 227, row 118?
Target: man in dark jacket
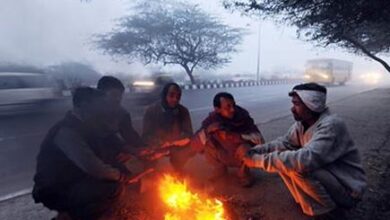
column 223, row 131
column 70, row 177
column 121, row 120
column 167, row 123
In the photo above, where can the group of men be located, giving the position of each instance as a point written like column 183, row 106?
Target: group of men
column 81, row 166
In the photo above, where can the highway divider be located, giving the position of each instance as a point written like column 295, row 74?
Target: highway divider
column 215, row 85
column 239, row 84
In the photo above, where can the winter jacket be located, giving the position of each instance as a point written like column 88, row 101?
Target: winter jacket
column 161, row 124
column 325, row 145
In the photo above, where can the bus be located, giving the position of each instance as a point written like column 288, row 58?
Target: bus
column 328, row 71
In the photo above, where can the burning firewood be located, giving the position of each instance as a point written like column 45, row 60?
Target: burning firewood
column 183, row 203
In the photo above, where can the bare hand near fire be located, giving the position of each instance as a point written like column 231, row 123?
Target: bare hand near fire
column 213, row 127
column 124, row 157
column 145, row 152
column 242, row 151
column 243, row 154
column 248, row 161
column 157, row 155
column 153, row 154
column 178, row 143
column 255, row 138
column 139, row 176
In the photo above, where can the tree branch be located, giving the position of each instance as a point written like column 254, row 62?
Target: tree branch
column 360, row 46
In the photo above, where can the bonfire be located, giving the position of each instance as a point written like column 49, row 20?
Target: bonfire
column 182, row 203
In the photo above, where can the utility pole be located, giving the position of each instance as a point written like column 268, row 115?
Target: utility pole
column 258, row 54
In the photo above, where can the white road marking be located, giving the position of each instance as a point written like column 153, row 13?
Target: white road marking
column 21, row 136
column 15, row 194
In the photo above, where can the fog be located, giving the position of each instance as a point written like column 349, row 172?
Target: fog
column 56, row 35
column 47, row 32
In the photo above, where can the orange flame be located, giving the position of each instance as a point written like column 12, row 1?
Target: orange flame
column 184, row 205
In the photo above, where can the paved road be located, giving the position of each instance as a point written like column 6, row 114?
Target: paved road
column 20, row 135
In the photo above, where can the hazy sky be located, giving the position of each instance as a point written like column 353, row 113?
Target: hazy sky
column 44, row 32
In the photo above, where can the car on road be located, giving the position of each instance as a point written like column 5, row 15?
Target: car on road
column 24, row 91
column 145, row 92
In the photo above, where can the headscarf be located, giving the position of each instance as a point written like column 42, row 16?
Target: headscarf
column 314, row 100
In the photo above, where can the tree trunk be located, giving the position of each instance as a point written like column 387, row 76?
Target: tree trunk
column 189, row 73
column 368, row 53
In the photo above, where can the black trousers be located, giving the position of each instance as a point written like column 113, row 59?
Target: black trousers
column 88, row 199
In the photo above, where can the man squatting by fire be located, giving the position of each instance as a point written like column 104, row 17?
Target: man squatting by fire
column 167, row 125
column 223, row 131
column 316, row 158
column 73, row 175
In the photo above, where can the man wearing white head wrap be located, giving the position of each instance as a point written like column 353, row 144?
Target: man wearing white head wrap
column 316, row 159
column 314, row 100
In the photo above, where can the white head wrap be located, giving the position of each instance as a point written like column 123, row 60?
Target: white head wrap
column 314, row 100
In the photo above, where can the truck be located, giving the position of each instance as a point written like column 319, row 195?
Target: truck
column 328, row 71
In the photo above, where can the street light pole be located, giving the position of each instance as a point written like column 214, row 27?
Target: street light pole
column 258, row 54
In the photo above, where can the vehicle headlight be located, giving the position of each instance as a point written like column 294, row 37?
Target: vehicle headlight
column 143, row 83
column 323, row 75
column 371, row 78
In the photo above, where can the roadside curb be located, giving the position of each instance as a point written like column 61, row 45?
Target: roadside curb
column 237, row 84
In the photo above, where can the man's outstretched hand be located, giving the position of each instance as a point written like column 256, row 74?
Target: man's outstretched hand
column 254, row 137
column 178, row 143
column 135, row 178
column 213, row 127
column 124, row 157
column 243, row 153
column 153, row 154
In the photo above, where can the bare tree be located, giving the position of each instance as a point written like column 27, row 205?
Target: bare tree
column 359, row 26
column 172, row 33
